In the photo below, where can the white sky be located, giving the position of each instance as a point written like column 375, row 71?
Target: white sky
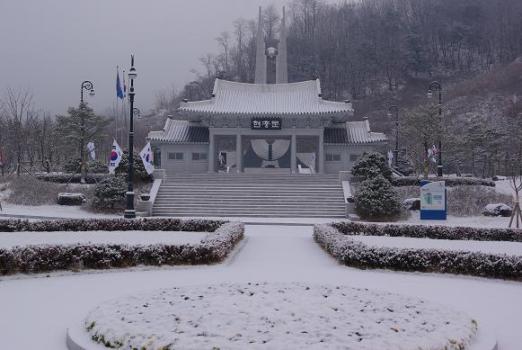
column 51, row 46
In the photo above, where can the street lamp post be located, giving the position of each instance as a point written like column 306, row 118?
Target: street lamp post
column 436, row 86
column 86, row 85
column 130, row 213
column 394, row 110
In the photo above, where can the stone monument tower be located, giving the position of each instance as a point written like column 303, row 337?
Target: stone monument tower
column 263, row 53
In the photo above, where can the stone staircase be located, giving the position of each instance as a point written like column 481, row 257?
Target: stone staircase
column 250, row 195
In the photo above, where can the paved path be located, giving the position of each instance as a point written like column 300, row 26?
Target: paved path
column 34, row 312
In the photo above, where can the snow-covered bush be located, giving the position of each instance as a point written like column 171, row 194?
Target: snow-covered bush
column 97, row 167
column 450, row 181
column 376, row 199
column 66, row 198
column 411, row 204
column 498, row 209
column 140, row 174
column 371, row 165
column 72, row 166
column 45, row 258
column 76, row 225
column 70, row 178
column 433, row 232
column 352, row 253
column 110, row 193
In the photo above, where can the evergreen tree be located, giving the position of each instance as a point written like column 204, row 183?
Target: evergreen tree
column 371, row 165
column 79, row 127
column 376, row 199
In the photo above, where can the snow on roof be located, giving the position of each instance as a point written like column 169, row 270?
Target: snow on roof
column 180, row 131
column 295, row 98
column 357, row 132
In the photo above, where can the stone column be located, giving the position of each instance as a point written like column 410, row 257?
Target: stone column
column 211, row 153
column 293, row 154
column 239, row 154
column 321, row 153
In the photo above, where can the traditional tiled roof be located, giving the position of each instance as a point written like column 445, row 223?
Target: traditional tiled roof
column 357, row 132
column 180, row 131
column 302, row 98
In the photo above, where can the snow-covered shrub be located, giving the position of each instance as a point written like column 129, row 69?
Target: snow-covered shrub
column 357, row 254
column 110, row 193
column 376, row 199
column 140, row 174
column 70, row 178
column 97, row 167
column 450, row 181
column 45, row 258
column 146, row 224
column 411, row 203
column 371, row 165
column 72, row 166
column 66, row 198
column 433, row 232
column 498, row 209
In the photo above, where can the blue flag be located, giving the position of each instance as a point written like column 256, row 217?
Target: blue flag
column 119, row 90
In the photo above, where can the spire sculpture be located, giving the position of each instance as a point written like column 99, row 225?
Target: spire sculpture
column 282, row 61
column 261, row 63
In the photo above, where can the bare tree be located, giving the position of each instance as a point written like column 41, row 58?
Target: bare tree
column 17, row 105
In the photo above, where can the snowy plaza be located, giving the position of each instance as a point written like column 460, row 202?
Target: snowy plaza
column 46, row 305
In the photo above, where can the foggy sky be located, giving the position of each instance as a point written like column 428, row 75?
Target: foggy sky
column 51, row 46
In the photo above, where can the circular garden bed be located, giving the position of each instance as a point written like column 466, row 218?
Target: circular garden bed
column 277, row 316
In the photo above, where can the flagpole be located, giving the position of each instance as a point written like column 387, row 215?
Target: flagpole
column 116, row 113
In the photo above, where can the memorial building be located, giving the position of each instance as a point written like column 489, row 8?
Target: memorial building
column 264, row 127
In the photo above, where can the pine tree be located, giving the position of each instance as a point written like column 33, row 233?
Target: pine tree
column 376, row 199
column 80, row 126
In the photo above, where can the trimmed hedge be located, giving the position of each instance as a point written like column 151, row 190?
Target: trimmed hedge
column 450, row 181
column 433, row 232
column 357, row 254
column 111, row 225
column 46, row 258
column 70, row 178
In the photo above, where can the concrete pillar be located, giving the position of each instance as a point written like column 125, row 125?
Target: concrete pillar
column 211, row 153
column 281, row 59
column 261, row 63
column 293, row 154
column 239, row 154
column 321, row 153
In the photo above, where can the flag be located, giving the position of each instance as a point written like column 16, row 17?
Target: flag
column 119, row 91
column 115, row 157
column 432, row 153
column 148, row 158
column 1, row 157
column 124, row 85
column 91, row 150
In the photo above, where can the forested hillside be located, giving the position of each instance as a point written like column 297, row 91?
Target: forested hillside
column 382, row 52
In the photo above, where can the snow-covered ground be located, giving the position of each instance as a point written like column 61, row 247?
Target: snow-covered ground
column 9, row 240
column 35, row 311
column 498, row 248
column 504, row 187
column 278, row 316
column 51, row 211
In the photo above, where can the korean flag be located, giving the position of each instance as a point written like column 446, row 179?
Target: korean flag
column 147, row 158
